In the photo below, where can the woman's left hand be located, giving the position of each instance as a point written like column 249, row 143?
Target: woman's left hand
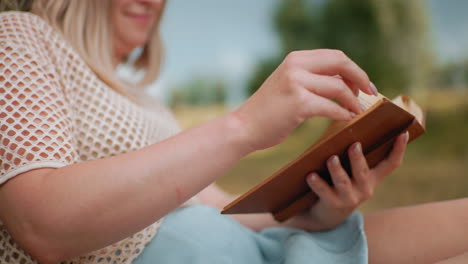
column 336, row 203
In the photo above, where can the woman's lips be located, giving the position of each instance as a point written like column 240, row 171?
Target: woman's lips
column 141, row 19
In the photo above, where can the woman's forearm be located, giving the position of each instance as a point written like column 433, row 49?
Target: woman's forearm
column 461, row 259
column 217, row 198
column 86, row 206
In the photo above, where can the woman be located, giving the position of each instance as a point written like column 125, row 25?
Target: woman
column 89, row 167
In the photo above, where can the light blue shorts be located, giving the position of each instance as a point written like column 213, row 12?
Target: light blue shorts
column 200, row 234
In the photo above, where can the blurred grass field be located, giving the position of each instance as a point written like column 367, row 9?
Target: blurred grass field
column 435, row 165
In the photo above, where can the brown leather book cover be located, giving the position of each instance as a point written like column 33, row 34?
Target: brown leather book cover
column 286, row 193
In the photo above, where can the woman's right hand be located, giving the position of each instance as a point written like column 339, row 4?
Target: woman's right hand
column 303, row 86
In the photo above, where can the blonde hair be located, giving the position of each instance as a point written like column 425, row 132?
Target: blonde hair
column 86, row 25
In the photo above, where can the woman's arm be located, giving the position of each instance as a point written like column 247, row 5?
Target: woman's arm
column 79, row 208
column 461, row 259
column 215, row 197
column 56, row 214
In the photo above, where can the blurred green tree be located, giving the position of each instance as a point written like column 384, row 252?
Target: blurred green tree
column 453, row 75
column 388, row 39
column 199, row 90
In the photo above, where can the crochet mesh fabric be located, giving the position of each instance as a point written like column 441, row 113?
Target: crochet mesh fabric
column 54, row 112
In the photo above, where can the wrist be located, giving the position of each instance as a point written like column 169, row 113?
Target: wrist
column 237, row 133
column 310, row 222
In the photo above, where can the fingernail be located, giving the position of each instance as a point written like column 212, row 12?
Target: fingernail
column 357, row 148
column 363, row 108
column 313, row 177
column 374, row 89
column 352, row 114
column 406, row 136
column 335, row 160
column 356, row 92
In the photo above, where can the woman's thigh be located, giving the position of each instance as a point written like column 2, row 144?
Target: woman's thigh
column 424, row 233
column 200, row 234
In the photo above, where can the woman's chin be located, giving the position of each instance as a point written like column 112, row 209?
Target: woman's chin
column 124, row 50
column 136, row 41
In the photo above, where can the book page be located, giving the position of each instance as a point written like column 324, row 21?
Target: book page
column 367, row 101
column 409, row 105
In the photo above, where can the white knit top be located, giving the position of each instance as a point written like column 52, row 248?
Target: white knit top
column 54, row 111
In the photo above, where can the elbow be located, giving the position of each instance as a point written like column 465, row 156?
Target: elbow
column 35, row 227
column 40, row 247
column 37, row 238
column 43, row 255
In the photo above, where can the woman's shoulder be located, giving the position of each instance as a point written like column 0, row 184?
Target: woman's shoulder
column 21, row 21
column 23, row 28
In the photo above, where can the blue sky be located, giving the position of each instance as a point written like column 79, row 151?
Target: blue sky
column 450, row 28
column 215, row 37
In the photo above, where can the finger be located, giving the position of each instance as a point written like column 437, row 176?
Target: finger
column 333, row 88
column 394, row 159
column 322, row 189
column 320, row 106
column 333, row 62
column 342, row 181
column 354, row 89
column 360, row 171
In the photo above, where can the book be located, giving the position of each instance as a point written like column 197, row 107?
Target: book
column 286, row 192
